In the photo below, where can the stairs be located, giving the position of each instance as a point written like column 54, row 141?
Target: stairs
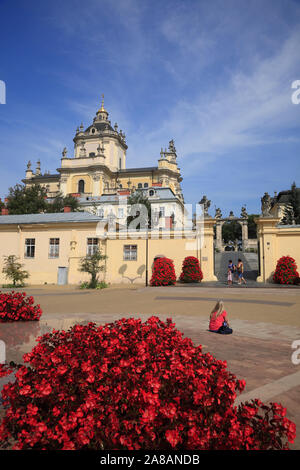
column 250, row 261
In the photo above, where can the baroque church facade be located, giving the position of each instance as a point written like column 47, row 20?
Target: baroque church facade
column 97, row 174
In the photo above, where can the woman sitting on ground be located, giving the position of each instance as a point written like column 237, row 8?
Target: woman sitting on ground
column 218, row 320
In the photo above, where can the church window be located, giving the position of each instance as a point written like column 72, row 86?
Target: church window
column 81, row 186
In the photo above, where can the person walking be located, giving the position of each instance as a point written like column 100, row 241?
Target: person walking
column 218, row 321
column 240, row 272
column 229, row 276
column 230, row 271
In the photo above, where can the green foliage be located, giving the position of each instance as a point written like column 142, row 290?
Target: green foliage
column 30, row 200
column 252, row 227
column 291, row 212
column 60, row 201
column 137, row 203
column 91, row 264
column 33, row 200
column 231, row 231
column 13, row 270
column 100, row 285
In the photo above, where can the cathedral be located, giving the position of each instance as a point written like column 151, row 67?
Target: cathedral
column 97, row 175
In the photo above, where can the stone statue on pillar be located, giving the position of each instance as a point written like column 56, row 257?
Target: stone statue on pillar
column 206, row 204
column 218, row 214
column 266, row 205
column 244, row 214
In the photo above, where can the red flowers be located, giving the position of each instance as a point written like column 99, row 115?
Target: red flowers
column 16, row 306
column 163, row 272
column 132, row 385
column 286, row 271
column 191, row 271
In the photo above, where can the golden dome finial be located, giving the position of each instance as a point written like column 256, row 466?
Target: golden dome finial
column 102, row 103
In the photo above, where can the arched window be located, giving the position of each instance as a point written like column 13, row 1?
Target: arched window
column 140, row 186
column 120, row 163
column 145, row 185
column 151, row 192
column 81, row 186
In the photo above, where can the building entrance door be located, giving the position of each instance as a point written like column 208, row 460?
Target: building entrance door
column 62, row 275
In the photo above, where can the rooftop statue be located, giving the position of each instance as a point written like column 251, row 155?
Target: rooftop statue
column 172, row 146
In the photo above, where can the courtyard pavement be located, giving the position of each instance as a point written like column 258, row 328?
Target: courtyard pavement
column 266, row 322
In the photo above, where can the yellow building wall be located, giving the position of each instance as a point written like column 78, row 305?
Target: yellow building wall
column 74, row 180
column 276, row 241
column 73, row 246
column 135, row 180
column 9, row 245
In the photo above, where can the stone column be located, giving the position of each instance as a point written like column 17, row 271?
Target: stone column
column 266, row 236
column 207, row 249
column 245, row 234
column 63, row 184
column 219, row 225
column 96, row 184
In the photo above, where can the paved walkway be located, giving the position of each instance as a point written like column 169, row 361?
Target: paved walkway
column 265, row 322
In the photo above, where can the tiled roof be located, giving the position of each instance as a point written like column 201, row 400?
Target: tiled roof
column 48, row 218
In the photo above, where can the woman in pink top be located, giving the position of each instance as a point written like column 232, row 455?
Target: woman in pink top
column 218, row 320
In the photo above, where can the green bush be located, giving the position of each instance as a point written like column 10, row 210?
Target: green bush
column 89, row 285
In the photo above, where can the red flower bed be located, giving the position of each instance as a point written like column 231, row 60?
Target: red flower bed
column 191, row 271
column 163, row 272
column 286, row 271
column 15, row 306
column 132, row 385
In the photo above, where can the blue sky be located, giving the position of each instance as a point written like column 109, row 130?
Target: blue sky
column 215, row 76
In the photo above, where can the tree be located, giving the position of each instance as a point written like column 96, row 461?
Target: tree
column 291, row 212
column 60, row 201
column 90, row 264
column 140, row 208
column 231, row 231
column 13, row 270
column 27, row 200
column 252, row 227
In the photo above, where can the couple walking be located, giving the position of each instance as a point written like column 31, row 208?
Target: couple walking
column 238, row 270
